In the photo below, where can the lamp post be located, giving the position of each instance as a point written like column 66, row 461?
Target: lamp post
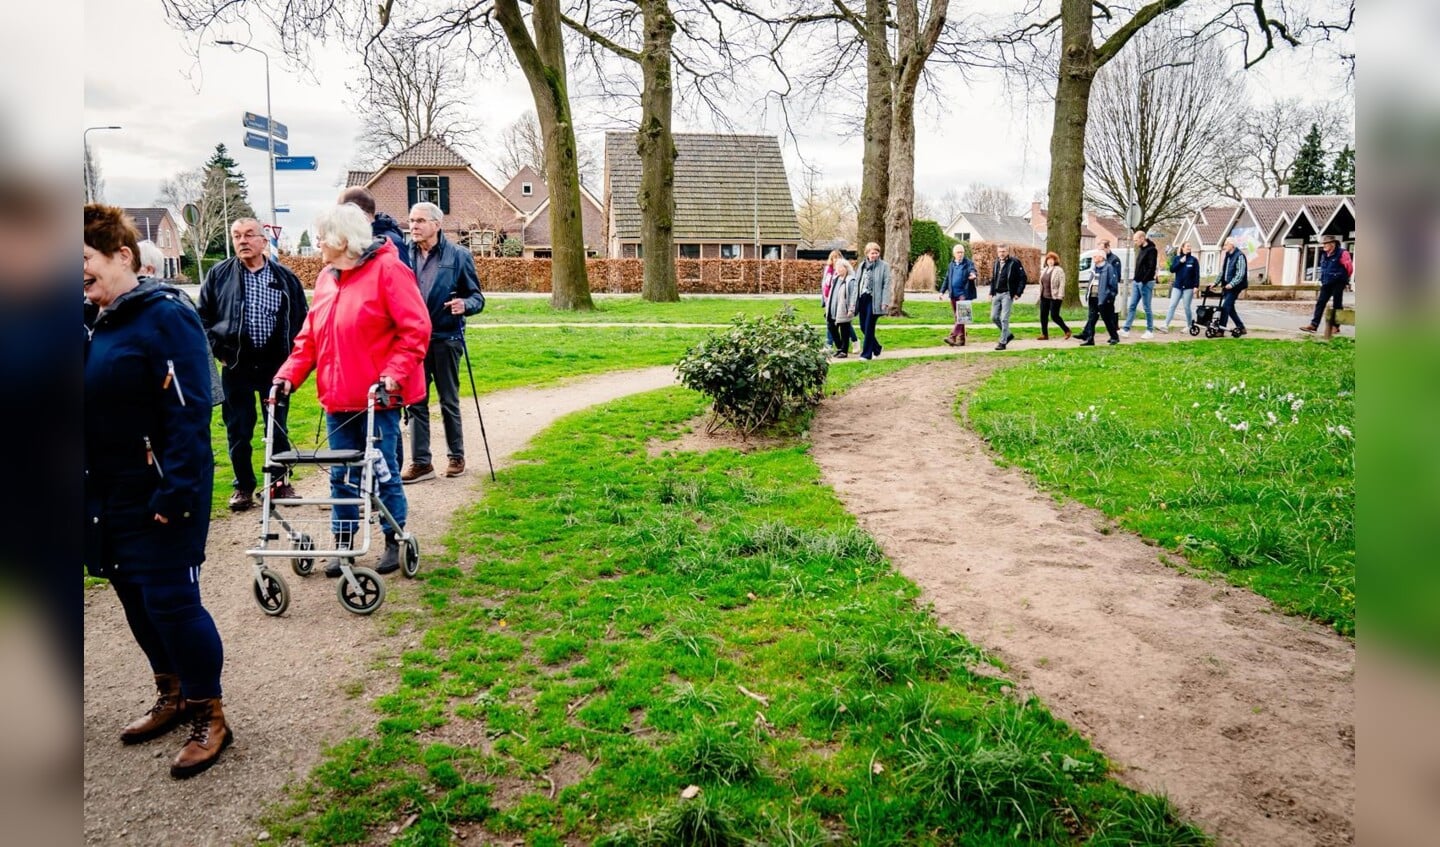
column 85, row 136
column 269, row 123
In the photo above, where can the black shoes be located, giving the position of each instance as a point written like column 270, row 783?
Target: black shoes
column 390, row 559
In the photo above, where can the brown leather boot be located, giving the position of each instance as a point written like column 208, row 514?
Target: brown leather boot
column 962, row 335
column 209, row 734
column 164, row 716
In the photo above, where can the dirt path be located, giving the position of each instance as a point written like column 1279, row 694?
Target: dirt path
column 1242, row 715
column 293, row 684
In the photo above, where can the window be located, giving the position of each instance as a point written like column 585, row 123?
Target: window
column 772, row 251
column 961, row 236
column 687, row 251
column 527, row 188
column 427, row 189
column 731, row 251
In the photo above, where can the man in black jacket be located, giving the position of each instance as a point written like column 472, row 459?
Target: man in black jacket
column 381, row 224
column 251, row 307
column 451, row 289
column 1146, row 259
column 1007, row 283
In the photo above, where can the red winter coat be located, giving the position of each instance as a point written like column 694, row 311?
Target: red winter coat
column 366, row 322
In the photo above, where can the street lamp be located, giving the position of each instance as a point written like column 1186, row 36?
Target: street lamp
column 269, row 123
column 89, row 189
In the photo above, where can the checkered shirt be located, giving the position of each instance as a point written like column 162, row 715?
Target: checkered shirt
column 262, row 304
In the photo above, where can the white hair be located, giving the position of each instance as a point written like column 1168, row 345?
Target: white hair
column 151, row 257
column 344, row 227
column 430, row 209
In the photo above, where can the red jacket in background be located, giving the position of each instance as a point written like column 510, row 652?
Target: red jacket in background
column 366, row 322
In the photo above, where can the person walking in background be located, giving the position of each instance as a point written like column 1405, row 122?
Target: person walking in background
column 959, row 286
column 451, row 291
column 368, row 325
column 827, row 281
column 251, row 307
column 149, row 473
column 1052, row 296
column 874, row 292
column 1104, row 289
column 1185, row 271
column 1007, row 284
column 1336, row 268
column 1234, row 278
column 381, row 224
column 841, row 301
column 1147, row 260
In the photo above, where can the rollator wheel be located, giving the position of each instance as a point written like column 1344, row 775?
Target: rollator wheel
column 303, row 565
column 410, row 556
column 1236, row 333
column 1194, row 329
column 366, row 595
column 271, row 592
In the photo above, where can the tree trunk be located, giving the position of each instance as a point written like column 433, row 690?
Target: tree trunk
column 902, row 194
column 875, row 174
column 543, row 62
column 656, row 145
column 1067, row 141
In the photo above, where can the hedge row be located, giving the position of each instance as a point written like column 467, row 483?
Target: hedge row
column 982, row 253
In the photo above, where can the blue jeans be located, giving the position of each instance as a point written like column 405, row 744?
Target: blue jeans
column 1227, row 310
column 175, row 632
column 1138, row 291
column 347, row 432
column 1176, row 298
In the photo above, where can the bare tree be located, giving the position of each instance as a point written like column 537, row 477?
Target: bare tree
column 988, row 200
column 207, row 190
column 521, row 144
column 1270, row 137
column 820, row 212
column 1159, row 122
column 415, row 89
column 93, row 178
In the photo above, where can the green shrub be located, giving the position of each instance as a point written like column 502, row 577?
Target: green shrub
column 928, row 237
column 758, row 372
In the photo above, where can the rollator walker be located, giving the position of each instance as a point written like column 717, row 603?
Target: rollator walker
column 361, row 590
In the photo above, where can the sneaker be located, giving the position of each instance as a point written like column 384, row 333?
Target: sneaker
column 417, row 473
column 1009, row 337
column 1125, row 332
column 283, row 490
column 456, row 466
column 1089, row 342
column 1000, row 346
column 390, row 559
column 1114, row 341
column 1148, row 335
column 241, row 500
column 841, row 355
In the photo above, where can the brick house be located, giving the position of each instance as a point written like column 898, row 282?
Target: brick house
column 1281, row 235
column 476, row 212
column 1205, row 230
column 158, row 225
column 732, row 198
column 1039, row 219
column 528, row 192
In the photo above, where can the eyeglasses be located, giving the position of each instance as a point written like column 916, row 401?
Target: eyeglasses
column 421, row 221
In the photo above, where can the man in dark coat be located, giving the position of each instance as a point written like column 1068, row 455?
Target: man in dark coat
column 448, row 283
column 381, row 224
column 1147, row 259
column 251, row 307
column 1104, row 288
column 1007, row 284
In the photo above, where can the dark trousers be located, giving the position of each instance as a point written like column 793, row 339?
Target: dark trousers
column 442, row 369
column 1051, row 309
column 1329, row 291
column 176, row 633
column 1227, row 310
column 868, row 319
column 1098, row 312
column 245, row 389
column 840, row 335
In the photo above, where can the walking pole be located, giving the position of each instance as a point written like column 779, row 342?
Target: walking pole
column 465, row 345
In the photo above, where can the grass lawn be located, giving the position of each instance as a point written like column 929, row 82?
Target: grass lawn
column 613, row 623
column 1241, row 456
column 923, row 307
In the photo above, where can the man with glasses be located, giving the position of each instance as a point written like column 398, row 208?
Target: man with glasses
column 451, row 290
column 252, row 308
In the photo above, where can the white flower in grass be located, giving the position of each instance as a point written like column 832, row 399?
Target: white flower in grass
column 1242, row 385
column 1092, row 408
column 1079, row 416
column 1240, row 427
column 1273, row 420
column 1219, row 415
column 1345, row 431
column 1195, row 405
column 1343, row 394
column 1294, row 419
column 1297, row 405
column 1209, row 386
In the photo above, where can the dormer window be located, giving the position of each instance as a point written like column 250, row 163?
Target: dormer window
column 527, row 189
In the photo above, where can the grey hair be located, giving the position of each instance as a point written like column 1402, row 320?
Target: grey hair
column 258, row 223
column 345, row 228
column 842, row 262
column 151, row 257
column 430, row 209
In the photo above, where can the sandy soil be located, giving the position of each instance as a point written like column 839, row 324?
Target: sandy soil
column 295, row 683
column 1242, row 715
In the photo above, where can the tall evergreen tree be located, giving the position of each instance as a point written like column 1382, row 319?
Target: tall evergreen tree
column 304, row 239
column 221, row 159
column 1308, row 175
column 1342, row 173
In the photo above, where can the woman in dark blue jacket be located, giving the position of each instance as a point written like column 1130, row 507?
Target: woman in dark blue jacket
column 1186, row 269
column 960, row 287
column 149, row 471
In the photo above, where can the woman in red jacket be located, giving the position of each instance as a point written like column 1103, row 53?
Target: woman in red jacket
column 368, row 324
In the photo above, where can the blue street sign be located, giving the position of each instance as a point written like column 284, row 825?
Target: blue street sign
column 262, row 142
column 261, row 125
column 295, row 163
column 282, row 210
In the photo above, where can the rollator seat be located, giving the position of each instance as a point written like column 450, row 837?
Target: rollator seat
column 318, row 457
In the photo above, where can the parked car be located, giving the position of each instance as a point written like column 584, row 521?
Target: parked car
column 1087, row 269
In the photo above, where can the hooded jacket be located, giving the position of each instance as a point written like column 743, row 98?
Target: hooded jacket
column 1147, row 259
column 388, row 228
column 147, row 434
column 366, row 322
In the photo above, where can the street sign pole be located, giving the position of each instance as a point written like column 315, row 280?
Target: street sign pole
column 270, row 134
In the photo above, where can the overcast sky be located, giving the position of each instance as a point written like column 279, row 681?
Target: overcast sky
column 140, row 75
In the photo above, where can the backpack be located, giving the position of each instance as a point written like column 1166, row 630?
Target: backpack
column 1346, row 262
